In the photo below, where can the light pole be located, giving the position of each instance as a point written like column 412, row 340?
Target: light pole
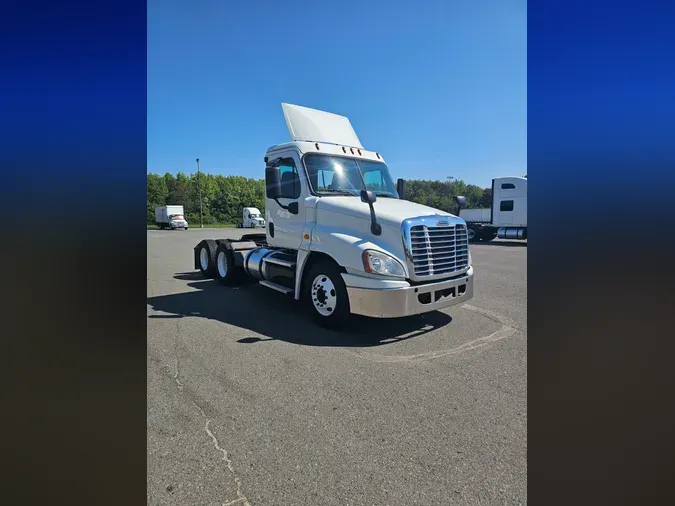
column 199, row 184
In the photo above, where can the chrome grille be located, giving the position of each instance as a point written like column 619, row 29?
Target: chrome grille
column 438, row 250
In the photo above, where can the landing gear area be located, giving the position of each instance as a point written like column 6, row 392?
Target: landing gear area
column 480, row 233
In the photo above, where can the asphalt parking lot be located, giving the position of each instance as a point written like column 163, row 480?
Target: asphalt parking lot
column 250, row 403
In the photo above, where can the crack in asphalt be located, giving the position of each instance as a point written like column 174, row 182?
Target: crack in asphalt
column 241, row 498
column 176, row 375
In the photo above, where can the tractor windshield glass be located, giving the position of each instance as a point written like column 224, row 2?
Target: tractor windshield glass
column 338, row 175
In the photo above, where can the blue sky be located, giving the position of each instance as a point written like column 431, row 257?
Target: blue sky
column 438, row 87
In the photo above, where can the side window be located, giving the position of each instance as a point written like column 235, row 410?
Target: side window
column 508, row 186
column 506, row 205
column 288, row 176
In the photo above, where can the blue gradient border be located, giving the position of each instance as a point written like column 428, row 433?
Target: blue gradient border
column 601, row 155
column 73, row 162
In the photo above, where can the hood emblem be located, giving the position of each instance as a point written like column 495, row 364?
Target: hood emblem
column 442, row 223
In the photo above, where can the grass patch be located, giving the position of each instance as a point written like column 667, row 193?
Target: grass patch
column 152, row 226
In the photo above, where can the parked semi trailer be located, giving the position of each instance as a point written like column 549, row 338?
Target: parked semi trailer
column 506, row 218
column 339, row 236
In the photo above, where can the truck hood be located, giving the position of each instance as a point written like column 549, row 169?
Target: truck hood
column 388, row 211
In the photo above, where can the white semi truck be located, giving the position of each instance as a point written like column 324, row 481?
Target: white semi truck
column 170, row 217
column 251, row 217
column 339, row 237
column 506, row 218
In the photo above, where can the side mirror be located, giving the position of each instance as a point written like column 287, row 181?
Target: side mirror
column 272, row 182
column 400, row 188
column 368, row 196
column 293, row 207
column 460, row 201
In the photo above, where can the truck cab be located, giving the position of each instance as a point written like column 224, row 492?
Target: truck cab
column 340, row 236
column 252, row 218
column 506, row 217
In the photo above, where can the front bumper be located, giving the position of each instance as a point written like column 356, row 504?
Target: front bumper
column 411, row 300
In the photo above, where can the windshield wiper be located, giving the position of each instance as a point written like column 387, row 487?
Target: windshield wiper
column 383, row 194
column 340, row 191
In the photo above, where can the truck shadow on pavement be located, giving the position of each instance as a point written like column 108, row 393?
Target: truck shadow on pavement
column 276, row 316
column 512, row 244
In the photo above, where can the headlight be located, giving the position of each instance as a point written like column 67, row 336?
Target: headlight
column 377, row 262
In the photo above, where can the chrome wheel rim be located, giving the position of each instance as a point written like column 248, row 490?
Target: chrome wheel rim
column 471, row 233
column 324, row 295
column 204, row 259
column 222, row 264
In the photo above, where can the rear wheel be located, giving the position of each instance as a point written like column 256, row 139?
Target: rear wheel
column 207, row 258
column 227, row 272
column 326, row 295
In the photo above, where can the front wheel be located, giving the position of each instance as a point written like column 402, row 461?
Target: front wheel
column 326, row 295
column 471, row 234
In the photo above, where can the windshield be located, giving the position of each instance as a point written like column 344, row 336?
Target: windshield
column 337, row 175
column 253, row 215
column 177, row 217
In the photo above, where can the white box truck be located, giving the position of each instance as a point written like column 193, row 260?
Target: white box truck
column 171, row 217
column 506, row 218
column 251, row 217
column 339, row 237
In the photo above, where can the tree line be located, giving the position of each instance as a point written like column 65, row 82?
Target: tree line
column 223, row 197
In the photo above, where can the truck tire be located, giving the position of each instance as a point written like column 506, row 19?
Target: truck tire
column 207, row 258
column 326, row 296
column 227, row 273
column 487, row 235
column 472, row 234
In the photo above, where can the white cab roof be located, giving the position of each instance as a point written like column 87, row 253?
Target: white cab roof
column 324, row 148
column 305, row 124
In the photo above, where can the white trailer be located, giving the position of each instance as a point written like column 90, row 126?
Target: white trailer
column 506, row 218
column 339, row 237
column 171, row 217
column 251, row 218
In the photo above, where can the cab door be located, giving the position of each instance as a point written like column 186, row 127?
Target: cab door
column 284, row 229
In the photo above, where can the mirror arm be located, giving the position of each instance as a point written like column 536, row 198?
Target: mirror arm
column 287, row 208
column 375, row 227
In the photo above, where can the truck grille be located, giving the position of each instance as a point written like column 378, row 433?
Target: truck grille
column 438, row 250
